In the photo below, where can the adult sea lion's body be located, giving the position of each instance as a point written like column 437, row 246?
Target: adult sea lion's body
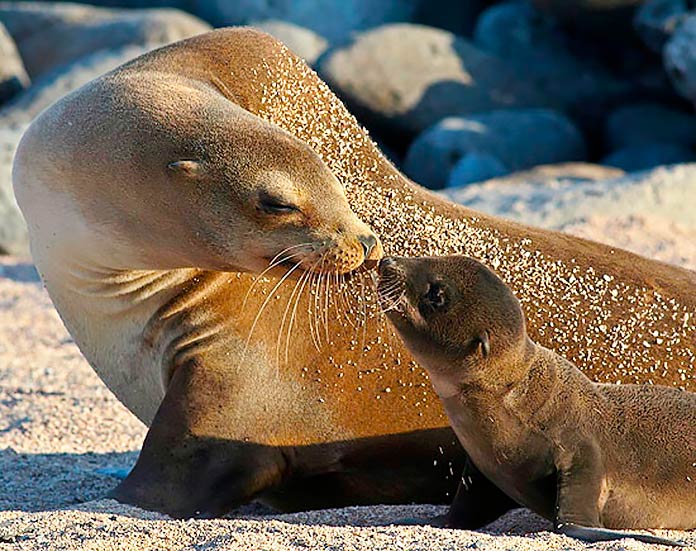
column 592, row 457
column 352, row 419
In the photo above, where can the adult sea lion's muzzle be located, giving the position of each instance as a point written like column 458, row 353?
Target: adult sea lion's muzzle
column 372, row 250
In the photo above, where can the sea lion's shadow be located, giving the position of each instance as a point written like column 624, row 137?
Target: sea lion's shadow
column 45, row 481
column 518, row 522
column 21, row 272
column 36, row 482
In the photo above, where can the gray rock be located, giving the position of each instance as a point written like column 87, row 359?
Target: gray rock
column 476, row 167
column 680, row 58
column 548, row 174
column 456, row 16
column 519, row 139
column 13, row 76
column 16, row 116
column 643, row 123
column 591, row 15
column 140, row 4
column 333, row 20
column 305, row 43
column 562, row 172
column 645, row 156
column 534, row 43
column 13, row 232
column 515, row 195
column 656, row 20
column 400, row 79
column 51, row 35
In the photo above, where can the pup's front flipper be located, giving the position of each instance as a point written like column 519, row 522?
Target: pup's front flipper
column 589, row 534
column 478, row 502
column 580, row 476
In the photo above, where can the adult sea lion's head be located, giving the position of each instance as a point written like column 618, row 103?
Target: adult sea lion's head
column 192, row 180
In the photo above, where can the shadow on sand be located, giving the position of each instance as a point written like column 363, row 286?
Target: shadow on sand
column 46, row 481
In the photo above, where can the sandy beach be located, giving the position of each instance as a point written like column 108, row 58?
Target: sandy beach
column 63, row 431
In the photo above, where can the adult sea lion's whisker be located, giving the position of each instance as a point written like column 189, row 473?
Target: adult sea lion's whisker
column 274, row 262
column 318, row 299
column 310, row 294
column 304, row 279
column 263, row 306
column 345, row 298
column 326, row 305
column 335, row 302
column 282, row 322
column 363, row 308
column 317, row 287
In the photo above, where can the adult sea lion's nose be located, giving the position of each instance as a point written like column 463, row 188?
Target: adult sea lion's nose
column 368, row 242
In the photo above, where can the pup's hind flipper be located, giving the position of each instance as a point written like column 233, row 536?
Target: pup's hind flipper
column 591, row 534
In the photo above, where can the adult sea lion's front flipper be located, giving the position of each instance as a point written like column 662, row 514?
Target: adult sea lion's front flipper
column 184, row 471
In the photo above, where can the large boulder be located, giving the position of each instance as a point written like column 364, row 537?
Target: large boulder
column 304, row 42
column 335, row 21
column 649, row 123
column 644, row 156
column 680, row 58
column 519, row 139
column 476, row 167
column 591, row 15
column 456, row 16
column 656, row 21
column 13, row 76
column 16, row 116
column 562, row 172
column 538, row 177
column 534, row 43
column 49, row 35
column 400, row 79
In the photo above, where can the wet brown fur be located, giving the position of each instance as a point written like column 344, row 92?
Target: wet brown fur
column 589, row 454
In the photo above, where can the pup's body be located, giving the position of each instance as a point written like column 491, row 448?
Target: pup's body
column 587, row 456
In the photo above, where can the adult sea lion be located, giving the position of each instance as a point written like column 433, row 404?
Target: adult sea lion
column 591, row 457
column 136, row 212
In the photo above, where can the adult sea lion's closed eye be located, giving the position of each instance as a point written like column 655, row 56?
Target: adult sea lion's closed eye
column 276, row 205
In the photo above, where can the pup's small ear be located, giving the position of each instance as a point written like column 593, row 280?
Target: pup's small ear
column 186, row 167
column 484, row 345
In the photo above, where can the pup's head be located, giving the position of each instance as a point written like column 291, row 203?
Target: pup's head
column 453, row 313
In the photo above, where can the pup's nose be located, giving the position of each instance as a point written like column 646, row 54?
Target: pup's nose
column 368, row 242
column 385, row 264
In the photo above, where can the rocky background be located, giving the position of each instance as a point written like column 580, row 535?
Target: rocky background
column 456, row 92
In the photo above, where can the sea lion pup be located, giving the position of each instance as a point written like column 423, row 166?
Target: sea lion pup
column 590, row 457
column 142, row 190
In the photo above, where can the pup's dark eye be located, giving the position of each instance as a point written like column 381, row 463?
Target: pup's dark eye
column 436, row 296
column 275, row 205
